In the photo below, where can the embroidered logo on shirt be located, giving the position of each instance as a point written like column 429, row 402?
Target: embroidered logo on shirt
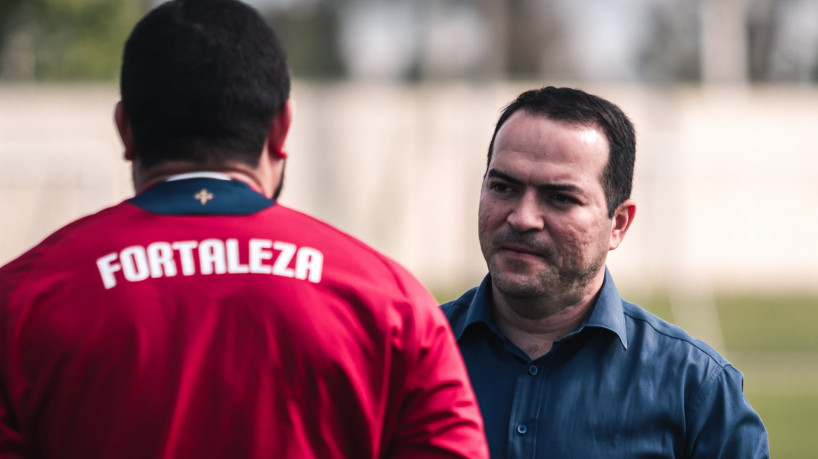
column 203, row 196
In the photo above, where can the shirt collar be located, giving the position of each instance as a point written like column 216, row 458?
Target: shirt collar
column 479, row 310
column 199, row 174
column 201, row 195
column 607, row 311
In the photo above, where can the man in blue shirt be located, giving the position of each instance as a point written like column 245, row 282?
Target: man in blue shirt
column 561, row 364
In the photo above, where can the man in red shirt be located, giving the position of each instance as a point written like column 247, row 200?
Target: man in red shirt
column 203, row 319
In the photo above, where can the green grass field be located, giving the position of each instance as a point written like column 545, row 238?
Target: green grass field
column 772, row 340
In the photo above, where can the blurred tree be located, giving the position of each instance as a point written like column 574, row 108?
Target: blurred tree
column 671, row 51
column 9, row 10
column 760, row 31
column 50, row 40
column 309, row 33
column 535, row 34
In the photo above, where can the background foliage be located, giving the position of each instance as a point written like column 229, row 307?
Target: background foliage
column 58, row 40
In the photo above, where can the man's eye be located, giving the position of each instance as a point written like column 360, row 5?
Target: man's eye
column 563, row 199
column 499, row 187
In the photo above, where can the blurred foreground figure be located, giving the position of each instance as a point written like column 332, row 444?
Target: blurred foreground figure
column 561, row 364
column 201, row 318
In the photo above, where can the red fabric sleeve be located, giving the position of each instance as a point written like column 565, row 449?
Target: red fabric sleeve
column 439, row 415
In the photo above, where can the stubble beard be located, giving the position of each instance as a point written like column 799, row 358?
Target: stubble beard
column 280, row 186
column 549, row 290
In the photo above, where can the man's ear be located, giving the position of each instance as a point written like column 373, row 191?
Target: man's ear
column 621, row 221
column 279, row 128
column 123, row 126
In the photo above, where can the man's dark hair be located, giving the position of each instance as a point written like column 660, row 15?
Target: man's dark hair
column 577, row 106
column 201, row 81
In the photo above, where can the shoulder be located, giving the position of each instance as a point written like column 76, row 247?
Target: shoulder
column 718, row 416
column 356, row 270
column 704, row 374
column 307, row 227
column 87, row 228
column 652, row 334
column 49, row 261
column 350, row 252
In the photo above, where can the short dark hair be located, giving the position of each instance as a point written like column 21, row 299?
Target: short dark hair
column 577, row 106
column 201, row 81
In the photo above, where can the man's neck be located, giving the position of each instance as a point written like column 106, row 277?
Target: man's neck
column 535, row 335
column 180, row 170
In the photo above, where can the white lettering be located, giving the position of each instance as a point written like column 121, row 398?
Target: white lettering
column 260, row 251
column 134, row 263
column 309, row 262
column 233, row 264
column 185, row 249
column 280, row 266
column 211, row 257
column 160, row 259
column 107, row 268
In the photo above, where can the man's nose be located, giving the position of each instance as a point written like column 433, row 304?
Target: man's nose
column 527, row 214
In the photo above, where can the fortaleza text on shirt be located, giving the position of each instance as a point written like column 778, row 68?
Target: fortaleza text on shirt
column 215, row 256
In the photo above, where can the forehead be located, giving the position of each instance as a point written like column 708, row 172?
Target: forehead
column 532, row 142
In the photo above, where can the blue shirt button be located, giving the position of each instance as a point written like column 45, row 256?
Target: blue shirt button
column 532, row 370
column 522, row 429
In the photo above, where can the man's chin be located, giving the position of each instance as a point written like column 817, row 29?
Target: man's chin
column 520, row 264
column 518, row 285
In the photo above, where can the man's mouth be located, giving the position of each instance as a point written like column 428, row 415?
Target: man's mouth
column 515, row 249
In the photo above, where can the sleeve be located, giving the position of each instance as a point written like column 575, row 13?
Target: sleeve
column 439, row 416
column 722, row 422
column 11, row 442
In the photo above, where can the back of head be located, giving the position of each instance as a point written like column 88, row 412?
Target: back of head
column 201, row 81
column 579, row 107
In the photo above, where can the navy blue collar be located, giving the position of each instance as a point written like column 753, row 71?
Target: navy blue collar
column 201, row 196
column 480, row 310
column 607, row 312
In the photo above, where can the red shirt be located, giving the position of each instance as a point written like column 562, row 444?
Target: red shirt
column 200, row 319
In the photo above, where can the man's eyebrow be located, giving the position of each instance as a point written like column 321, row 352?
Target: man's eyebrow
column 494, row 173
column 564, row 187
column 573, row 189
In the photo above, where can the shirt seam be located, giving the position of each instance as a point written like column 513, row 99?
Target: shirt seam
column 691, row 341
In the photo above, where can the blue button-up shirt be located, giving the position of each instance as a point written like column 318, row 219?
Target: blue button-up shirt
column 626, row 384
